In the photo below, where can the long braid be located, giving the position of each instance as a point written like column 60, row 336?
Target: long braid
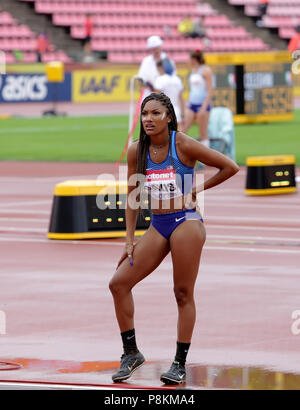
column 144, row 139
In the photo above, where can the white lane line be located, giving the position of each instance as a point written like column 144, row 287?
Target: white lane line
column 254, row 238
column 56, row 241
column 17, row 219
column 24, row 211
column 57, row 178
column 265, row 219
column 50, row 386
column 100, row 243
column 25, row 203
column 19, row 229
column 255, row 201
column 243, row 205
column 62, row 128
column 209, row 236
column 252, row 228
column 252, row 250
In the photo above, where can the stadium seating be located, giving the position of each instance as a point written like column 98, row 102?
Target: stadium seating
column 122, row 26
column 15, row 37
column 283, row 15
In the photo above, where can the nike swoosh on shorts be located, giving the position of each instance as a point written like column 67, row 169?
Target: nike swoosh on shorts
column 179, row 219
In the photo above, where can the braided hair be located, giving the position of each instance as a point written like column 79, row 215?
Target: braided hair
column 144, row 139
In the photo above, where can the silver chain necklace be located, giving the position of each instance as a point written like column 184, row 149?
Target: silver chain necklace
column 156, row 147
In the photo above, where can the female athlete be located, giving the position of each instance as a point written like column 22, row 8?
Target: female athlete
column 201, row 87
column 166, row 159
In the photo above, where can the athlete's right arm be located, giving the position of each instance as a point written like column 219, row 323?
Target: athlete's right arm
column 131, row 213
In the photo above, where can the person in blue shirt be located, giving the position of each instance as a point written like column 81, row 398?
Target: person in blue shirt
column 165, row 158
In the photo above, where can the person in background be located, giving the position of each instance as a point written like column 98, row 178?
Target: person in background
column 43, row 45
column 199, row 31
column 171, row 85
column 167, row 30
column 88, row 26
column 201, row 88
column 186, row 26
column 193, row 29
column 198, row 28
column 263, row 8
column 294, row 43
column 148, row 71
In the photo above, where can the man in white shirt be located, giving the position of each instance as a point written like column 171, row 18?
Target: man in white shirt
column 170, row 84
column 148, row 71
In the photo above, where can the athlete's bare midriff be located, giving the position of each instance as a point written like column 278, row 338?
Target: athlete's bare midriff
column 168, row 206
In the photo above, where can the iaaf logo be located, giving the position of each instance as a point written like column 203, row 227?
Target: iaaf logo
column 2, row 323
column 296, row 63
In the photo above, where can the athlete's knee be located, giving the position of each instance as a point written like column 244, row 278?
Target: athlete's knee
column 116, row 286
column 182, row 295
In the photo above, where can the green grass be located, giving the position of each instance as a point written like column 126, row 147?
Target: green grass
column 101, row 139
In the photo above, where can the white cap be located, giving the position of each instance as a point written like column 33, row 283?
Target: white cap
column 154, row 41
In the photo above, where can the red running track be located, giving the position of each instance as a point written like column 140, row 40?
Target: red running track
column 60, row 323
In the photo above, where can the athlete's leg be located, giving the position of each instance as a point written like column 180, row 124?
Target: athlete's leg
column 202, row 121
column 148, row 253
column 189, row 118
column 186, row 245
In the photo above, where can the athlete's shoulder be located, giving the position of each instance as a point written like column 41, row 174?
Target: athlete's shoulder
column 183, row 141
column 133, row 148
column 181, row 137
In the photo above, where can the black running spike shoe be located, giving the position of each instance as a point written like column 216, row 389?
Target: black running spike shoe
column 175, row 375
column 129, row 363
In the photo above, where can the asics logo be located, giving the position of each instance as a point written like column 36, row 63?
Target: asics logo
column 179, row 219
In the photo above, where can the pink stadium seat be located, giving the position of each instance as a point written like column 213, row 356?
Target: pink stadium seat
column 29, row 58
column 17, row 37
column 286, row 32
column 6, row 18
column 9, row 58
column 122, row 26
column 252, row 11
column 243, row 2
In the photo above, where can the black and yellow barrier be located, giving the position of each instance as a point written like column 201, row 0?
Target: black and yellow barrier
column 87, row 209
column 270, row 175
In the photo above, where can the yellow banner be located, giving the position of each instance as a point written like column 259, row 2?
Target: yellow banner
column 296, row 82
column 103, row 85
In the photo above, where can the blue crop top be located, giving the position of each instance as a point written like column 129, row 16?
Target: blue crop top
column 168, row 179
